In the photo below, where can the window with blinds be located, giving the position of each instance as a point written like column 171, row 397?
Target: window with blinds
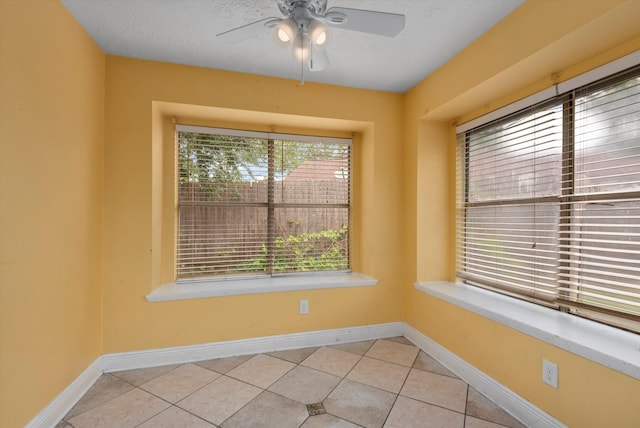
column 548, row 202
column 253, row 203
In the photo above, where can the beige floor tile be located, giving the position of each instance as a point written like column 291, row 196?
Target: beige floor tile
column 379, row 374
column 360, row 404
column 393, row 352
column 427, row 363
column 174, row 417
column 327, row 421
column 359, row 348
column 106, row 388
column 293, row 355
column 224, row 365
column 436, row 389
column 471, row 422
column 220, row 399
column 261, row 370
column 64, row 424
column 408, row 413
column 332, row 361
column 173, row 386
column 481, row 407
column 127, row 410
column 400, row 339
column 139, row 376
column 269, row 410
column 305, row 385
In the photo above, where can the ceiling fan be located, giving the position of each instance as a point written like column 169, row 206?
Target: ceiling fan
column 305, row 28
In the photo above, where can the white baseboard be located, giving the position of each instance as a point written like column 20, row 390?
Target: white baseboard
column 55, row 411
column 184, row 354
column 518, row 407
column 58, row 408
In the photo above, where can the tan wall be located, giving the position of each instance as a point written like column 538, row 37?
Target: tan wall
column 51, row 138
column 143, row 98
column 538, row 44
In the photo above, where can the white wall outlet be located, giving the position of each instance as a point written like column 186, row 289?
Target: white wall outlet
column 304, row 307
column 550, row 373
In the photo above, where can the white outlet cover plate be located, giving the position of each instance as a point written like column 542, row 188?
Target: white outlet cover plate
column 304, row 307
column 550, row 373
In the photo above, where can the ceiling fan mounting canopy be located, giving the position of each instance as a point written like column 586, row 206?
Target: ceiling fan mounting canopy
column 315, row 7
column 305, row 27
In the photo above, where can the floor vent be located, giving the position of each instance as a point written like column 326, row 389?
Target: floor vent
column 316, row 409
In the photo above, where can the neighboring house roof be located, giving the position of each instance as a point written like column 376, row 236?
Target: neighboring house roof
column 327, row 169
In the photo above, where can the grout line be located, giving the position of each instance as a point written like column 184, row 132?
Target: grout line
column 403, row 382
column 246, row 404
column 99, row 404
column 191, row 413
column 466, row 404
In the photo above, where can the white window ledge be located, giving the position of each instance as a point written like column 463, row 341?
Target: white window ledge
column 196, row 289
column 605, row 345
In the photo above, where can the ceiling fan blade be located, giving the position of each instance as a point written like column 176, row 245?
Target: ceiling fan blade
column 319, row 59
column 367, row 21
column 248, row 31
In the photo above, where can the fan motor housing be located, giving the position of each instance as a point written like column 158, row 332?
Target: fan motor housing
column 316, row 7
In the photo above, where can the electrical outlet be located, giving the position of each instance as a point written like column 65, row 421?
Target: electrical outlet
column 550, row 373
column 304, row 307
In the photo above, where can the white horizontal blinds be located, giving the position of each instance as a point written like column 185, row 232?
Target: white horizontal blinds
column 259, row 205
column 311, row 206
column 222, row 204
column 461, row 199
column 548, row 203
column 508, row 215
column 601, row 245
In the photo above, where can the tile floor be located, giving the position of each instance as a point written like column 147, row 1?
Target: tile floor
column 377, row 383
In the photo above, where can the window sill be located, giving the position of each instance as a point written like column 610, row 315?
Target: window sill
column 198, row 289
column 605, row 345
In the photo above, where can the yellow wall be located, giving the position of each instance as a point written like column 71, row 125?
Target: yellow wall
column 142, row 98
column 51, row 141
column 75, row 264
column 589, row 395
column 540, row 43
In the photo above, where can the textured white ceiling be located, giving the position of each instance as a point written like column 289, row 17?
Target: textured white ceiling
column 184, row 32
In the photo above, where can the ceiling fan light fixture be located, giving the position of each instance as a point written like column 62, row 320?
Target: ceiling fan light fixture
column 321, row 39
column 285, row 32
column 318, row 33
column 301, row 47
column 283, row 36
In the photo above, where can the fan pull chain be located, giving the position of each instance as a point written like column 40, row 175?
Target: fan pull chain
column 301, row 63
